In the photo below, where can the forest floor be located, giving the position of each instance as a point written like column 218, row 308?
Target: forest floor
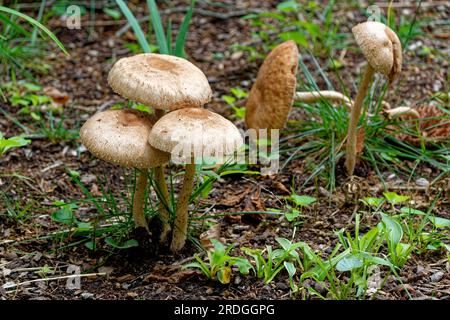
column 29, row 251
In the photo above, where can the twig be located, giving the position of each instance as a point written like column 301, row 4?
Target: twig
column 15, row 285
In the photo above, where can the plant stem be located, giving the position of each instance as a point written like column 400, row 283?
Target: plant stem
column 181, row 220
column 163, row 195
column 350, row 160
column 138, row 200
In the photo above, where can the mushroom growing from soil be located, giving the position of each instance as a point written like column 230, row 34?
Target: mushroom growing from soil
column 189, row 134
column 383, row 52
column 120, row 137
column 274, row 91
column 165, row 83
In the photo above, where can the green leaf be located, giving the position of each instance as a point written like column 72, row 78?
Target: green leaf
column 134, row 25
column 439, row 222
column 125, row 245
column 302, row 200
column 238, row 93
column 408, row 210
column 65, row 214
column 13, row 142
column 243, row 265
column 284, row 243
column 288, row 6
column 393, row 229
column 292, row 214
column 372, row 202
column 395, row 198
column 297, row 36
column 158, row 27
column 290, row 268
column 181, row 36
column 113, row 13
column 367, row 240
column 349, row 263
column 228, row 99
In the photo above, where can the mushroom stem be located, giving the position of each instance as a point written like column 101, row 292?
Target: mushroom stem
column 314, row 96
column 138, row 200
column 350, row 160
column 181, row 220
column 402, row 111
column 333, row 96
column 163, row 195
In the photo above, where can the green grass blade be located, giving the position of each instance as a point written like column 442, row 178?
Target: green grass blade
column 158, row 27
column 169, row 36
column 181, row 36
column 36, row 24
column 40, row 14
column 14, row 25
column 135, row 25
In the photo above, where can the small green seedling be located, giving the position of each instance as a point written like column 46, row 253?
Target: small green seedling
column 238, row 94
column 218, row 263
column 294, row 212
column 13, row 142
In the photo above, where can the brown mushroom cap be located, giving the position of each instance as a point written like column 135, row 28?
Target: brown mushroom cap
column 381, row 47
column 120, row 137
column 160, row 81
column 272, row 95
column 197, row 128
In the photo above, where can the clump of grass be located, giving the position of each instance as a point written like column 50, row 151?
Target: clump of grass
column 18, row 48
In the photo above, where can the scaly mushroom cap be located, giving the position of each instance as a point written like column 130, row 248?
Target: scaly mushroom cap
column 120, row 137
column 381, row 47
column 196, row 132
column 160, row 81
column 272, row 95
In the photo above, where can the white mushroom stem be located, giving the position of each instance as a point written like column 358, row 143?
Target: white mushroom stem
column 160, row 180
column 163, row 195
column 180, row 227
column 333, row 96
column 402, row 111
column 350, row 160
column 138, row 200
column 314, row 96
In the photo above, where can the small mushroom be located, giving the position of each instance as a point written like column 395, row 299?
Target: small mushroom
column 272, row 95
column 189, row 134
column 120, row 137
column 163, row 82
column 383, row 51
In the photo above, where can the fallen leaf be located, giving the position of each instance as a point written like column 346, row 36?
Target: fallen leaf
column 211, row 233
column 58, row 97
column 278, row 185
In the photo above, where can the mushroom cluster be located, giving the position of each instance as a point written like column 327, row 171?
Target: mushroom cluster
column 136, row 139
column 274, row 91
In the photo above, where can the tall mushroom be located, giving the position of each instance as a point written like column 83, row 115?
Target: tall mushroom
column 120, row 137
column 383, row 51
column 190, row 134
column 163, row 82
column 272, row 95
